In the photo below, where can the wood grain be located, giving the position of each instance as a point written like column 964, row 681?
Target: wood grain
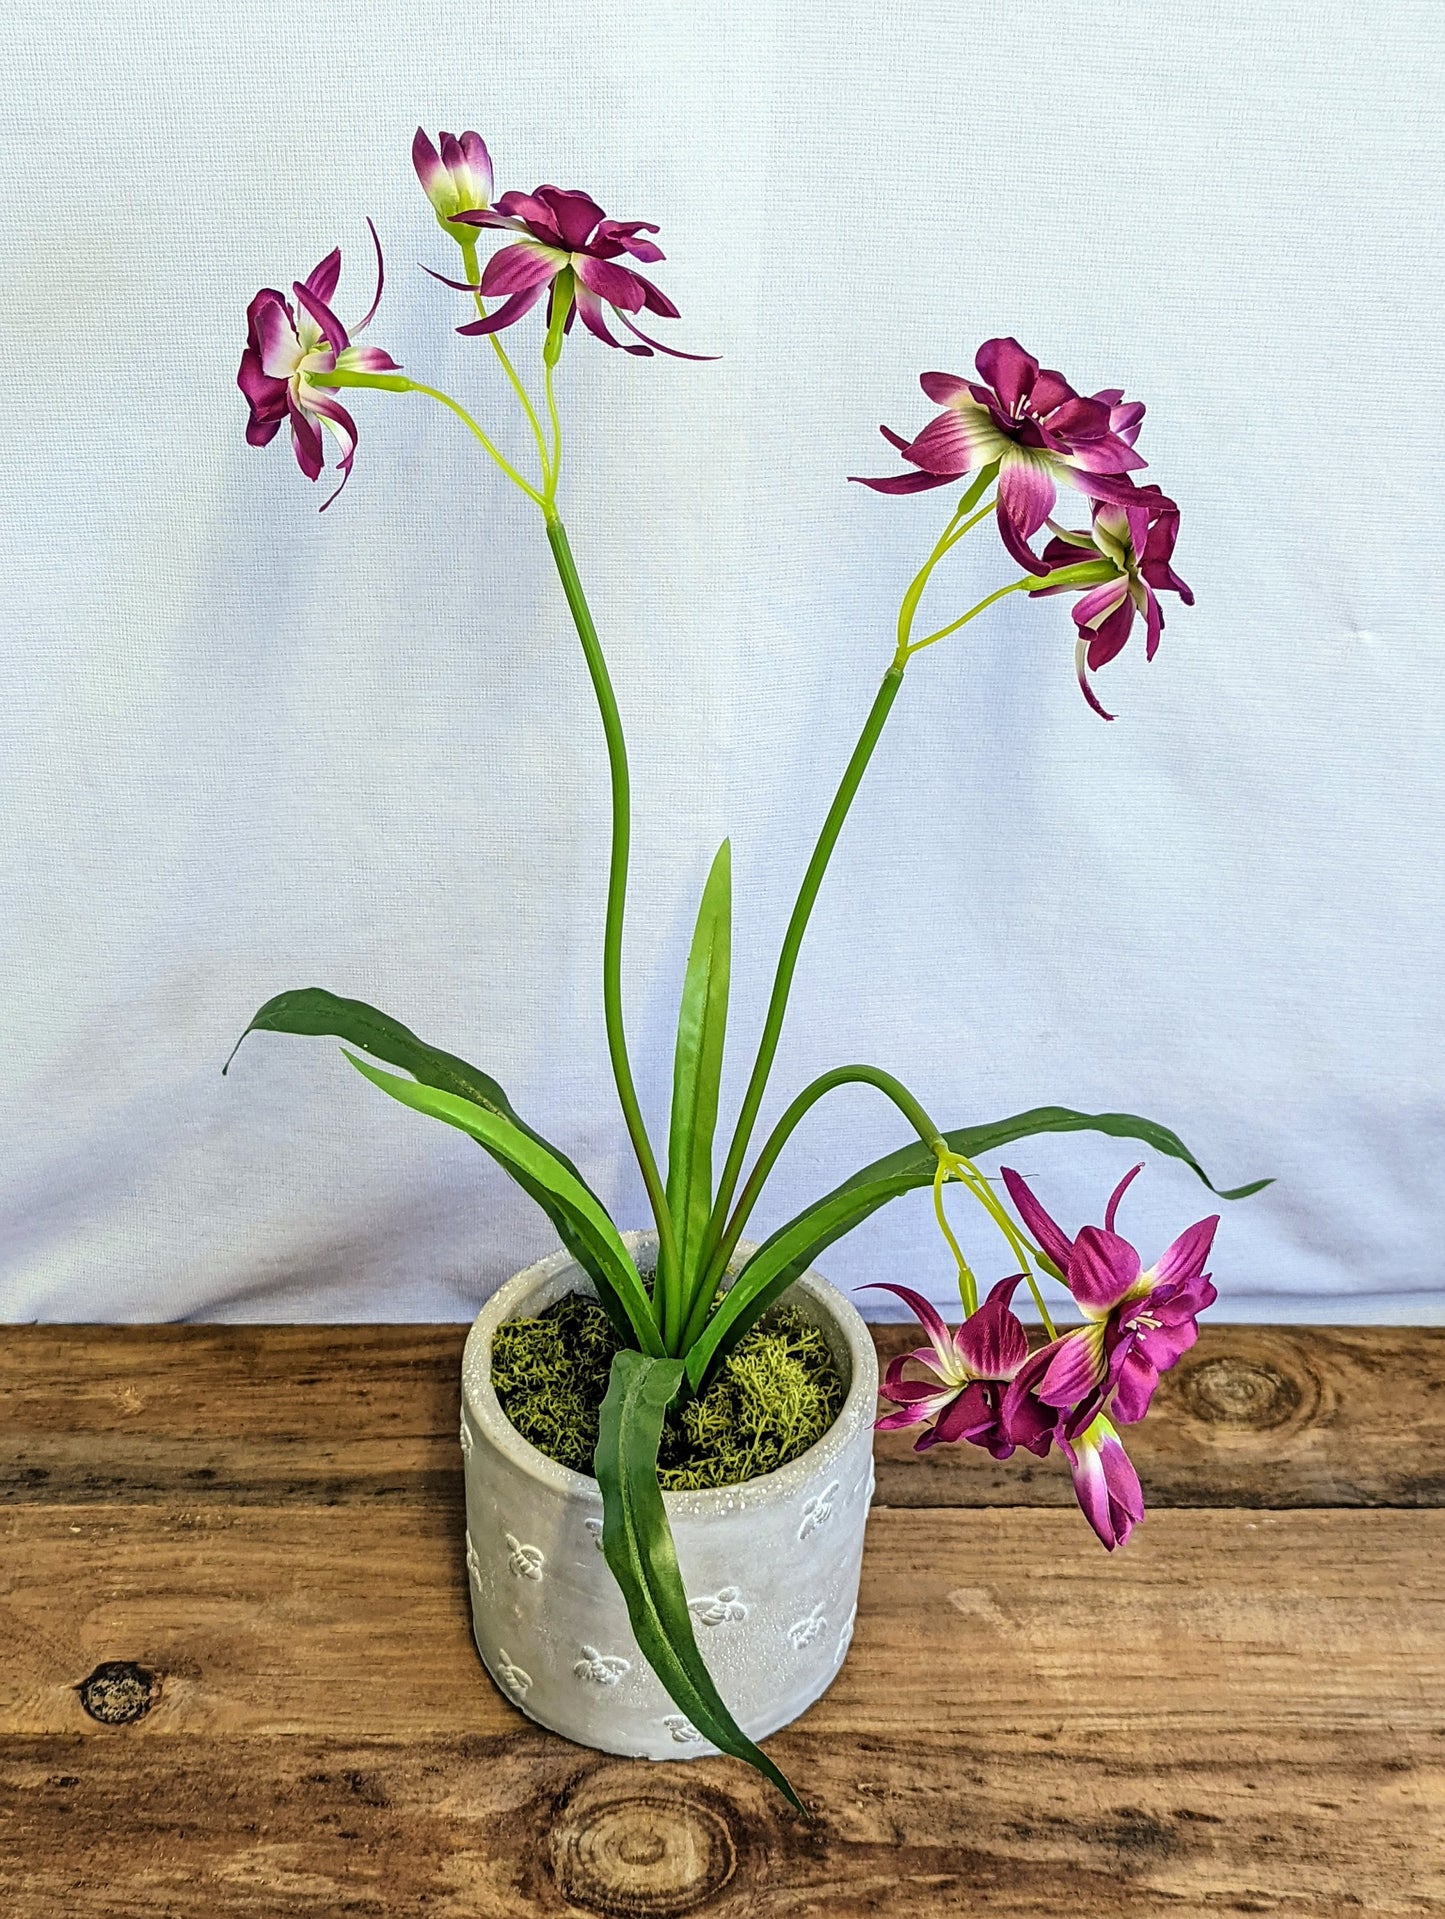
column 1267, row 1417
column 927, row 1822
column 1244, row 1712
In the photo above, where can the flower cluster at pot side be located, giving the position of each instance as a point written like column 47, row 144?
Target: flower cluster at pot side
column 983, row 1385
column 1008, row 440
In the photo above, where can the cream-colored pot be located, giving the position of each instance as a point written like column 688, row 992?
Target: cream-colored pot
column 770, row 1568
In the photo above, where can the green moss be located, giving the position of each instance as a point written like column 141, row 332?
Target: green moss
column 778, row 1391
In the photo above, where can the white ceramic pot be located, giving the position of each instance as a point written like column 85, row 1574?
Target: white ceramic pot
column 770, row 1568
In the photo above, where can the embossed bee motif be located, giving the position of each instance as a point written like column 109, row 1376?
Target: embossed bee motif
column 683, row 1731
column 818, row 1510
column 845, row 1638
column 525, row 1561
column 603, row 1669
column 474, row 1565
column 721, row 1608
column 594, row 1526
column 803, row 1632
column 466, row 1438
column 517, row 1682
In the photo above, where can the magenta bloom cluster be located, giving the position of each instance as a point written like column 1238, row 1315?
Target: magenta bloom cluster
column 1039, row 433
column 286, row 343
column 984, row 1385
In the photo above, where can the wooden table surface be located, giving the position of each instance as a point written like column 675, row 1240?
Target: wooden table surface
column 258, row 1530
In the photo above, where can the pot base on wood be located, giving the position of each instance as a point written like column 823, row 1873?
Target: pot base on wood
column 770, row 1567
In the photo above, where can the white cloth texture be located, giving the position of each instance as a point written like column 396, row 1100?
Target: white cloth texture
column 246, row 747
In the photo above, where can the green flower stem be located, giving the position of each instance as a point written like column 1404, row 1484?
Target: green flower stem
column 949, row 538
column 548, row 370
column 667, row 1301
column 911, row 1110
column 399, row 383
column 1086, row 573
column 473, row 273
column 788, row 958
column 818, row 864
column 977, row 1184
column 1014, row 586
column 967, row 1284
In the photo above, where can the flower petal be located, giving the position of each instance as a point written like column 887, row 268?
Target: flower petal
column 524, row 264
column 507, row 314
column 1009, row 370
column 672, row 352
column 992, row 1342
column 928, row 1317
column 1105, row 1483
column 1103, row 1270
column 1080, row 664
column 1026, row 490
column 615, row 284
column 943, row 388
column 332, row 330
column 322, row 278
column 905, row 482
column 1055, row 1242
column 1077, row 1364
column 957, row 441
column 1184, row 1258
column 575, row 214
column 370, row 314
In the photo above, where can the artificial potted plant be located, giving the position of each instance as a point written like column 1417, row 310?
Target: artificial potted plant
column 667, row 1435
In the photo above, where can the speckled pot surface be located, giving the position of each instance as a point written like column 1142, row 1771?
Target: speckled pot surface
column 770, row 1568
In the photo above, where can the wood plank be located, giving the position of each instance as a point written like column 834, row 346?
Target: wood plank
column 1267, row 1417
column 353, row 1622
column 972, row 1821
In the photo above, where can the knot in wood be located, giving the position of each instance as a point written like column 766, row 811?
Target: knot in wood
column 1233, row 1391
column 119, row 1692
column 648, row 1854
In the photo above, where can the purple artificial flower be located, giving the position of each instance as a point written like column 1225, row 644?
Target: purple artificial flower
column 285, row 346
column 1034, row 426
column 970, row 1369
column 567, row 232
column 1105, row 1482
column 1138, row 1322
column 1137, row 538
column 458, row 179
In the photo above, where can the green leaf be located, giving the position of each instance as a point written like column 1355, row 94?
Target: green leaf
column 793, row 1248
column 697, row 1067
column 638, row 1546
column 312, row 1010
column 528, row 1161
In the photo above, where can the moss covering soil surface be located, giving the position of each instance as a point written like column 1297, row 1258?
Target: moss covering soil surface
column 778, row 1391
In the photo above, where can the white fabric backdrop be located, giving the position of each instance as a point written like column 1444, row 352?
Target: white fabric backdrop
column 246, row 748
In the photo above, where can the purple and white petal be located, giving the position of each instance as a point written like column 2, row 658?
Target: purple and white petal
column 1055, row 1242
column 524, row 264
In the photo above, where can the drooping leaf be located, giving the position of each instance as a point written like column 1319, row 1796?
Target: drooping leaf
column 697, row 1066
column 610, row 1263
column 638, row 1546
column 312, row 1010
column 793, row 1248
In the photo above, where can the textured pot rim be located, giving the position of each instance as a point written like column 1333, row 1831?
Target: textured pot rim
column 480, row 1402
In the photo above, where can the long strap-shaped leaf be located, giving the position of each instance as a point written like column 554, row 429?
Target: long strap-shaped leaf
column 638, row 1545
column 697, row 1067
column 312, row 1010
column 525, row 1158
column 793, row 1248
